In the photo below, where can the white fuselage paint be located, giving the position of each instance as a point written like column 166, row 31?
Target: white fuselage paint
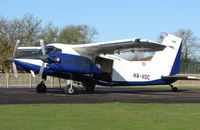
column 160, row 65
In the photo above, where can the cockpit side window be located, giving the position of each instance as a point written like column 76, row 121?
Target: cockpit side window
column 49, row 49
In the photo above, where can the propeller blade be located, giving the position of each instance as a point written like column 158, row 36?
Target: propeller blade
column 16, row 46
column 41, row 70
column 15, row 69
column 42, row 46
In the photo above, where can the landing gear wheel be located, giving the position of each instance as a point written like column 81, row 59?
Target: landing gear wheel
column 89, row 88
column 41, row 88
column 174, row 89
column 69, row 90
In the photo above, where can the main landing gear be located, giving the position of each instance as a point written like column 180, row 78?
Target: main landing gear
column 70, row 89
column 89, row 87
column 41, row 87
column 174, row 89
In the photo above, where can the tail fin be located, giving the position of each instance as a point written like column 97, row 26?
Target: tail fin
column 168, row 61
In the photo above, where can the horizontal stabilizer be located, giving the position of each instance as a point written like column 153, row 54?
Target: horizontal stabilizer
column 179, row 77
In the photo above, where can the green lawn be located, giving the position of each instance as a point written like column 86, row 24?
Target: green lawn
column 100, row 116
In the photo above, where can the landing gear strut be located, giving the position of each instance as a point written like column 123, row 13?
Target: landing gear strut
column 69, row 89
column 174, row 89
column 41, row 87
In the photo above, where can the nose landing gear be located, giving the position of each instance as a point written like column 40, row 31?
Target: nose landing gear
column 69, row 89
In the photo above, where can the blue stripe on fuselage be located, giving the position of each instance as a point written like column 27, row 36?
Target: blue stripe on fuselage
column 74, row 64
column 134, row 83
column 114, row 83
column 68, row 63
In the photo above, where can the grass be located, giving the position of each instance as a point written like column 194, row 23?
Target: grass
column 100, row 116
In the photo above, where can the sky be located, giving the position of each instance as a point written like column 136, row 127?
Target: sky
column 113, row 19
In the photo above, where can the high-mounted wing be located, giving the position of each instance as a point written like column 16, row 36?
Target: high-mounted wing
column 112, row 47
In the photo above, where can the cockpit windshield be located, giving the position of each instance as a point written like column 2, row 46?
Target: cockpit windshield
column 49, row 49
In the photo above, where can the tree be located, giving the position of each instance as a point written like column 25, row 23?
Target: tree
column 190, row 45
column 50, row 34
column 77, row 34
column 31, row 29
column 26, row 29
column 6, row 38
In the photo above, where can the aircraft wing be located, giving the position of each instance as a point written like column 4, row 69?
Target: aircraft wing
column 112, row 47
column 28, row 49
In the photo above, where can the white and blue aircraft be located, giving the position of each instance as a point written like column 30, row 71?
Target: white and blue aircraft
column 96, row 63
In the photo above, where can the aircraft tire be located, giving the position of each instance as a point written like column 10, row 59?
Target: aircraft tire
column 69, row 91
column 41, row 88
column 89, row 88
column 174, row 89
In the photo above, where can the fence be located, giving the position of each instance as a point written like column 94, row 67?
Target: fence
column 190, row 68
column 26, row 80
column 8, row 80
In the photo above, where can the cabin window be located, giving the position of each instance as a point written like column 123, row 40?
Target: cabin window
column 49, row 49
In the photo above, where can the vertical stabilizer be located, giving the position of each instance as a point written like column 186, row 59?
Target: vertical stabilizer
column 168, row 61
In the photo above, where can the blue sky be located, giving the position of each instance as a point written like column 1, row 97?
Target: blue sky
column 113, row 19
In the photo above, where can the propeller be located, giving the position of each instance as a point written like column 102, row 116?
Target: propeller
column 14, row 56
column 43, row 58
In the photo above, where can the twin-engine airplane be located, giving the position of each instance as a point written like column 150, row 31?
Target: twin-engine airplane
column 95, row 63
